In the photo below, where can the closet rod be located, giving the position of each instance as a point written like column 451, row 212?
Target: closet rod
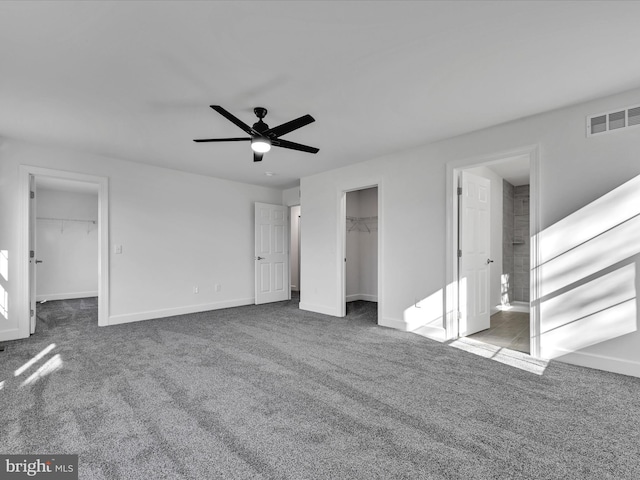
column 65, row 219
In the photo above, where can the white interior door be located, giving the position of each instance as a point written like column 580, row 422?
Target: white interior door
column 32, row 254
column 271, row 253
column 474, row 244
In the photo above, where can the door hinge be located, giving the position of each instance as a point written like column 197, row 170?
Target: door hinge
column 32, row 313
column 32, row 254
column 459, row 253
column 459, row 190
column 32, row 194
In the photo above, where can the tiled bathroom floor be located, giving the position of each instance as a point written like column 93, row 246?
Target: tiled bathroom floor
column 508, row 329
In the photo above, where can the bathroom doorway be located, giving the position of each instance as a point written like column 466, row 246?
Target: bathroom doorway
column 508, row 254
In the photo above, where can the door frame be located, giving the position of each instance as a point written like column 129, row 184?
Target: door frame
column 33, row 261
column 297, row 246
column 342, row 246
column 451, row 298
column 25, row 171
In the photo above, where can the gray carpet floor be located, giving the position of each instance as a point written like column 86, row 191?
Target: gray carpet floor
column 273, row 392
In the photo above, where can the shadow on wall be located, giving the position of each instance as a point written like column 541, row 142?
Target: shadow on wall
column 426, row 312
column 587, row 272
column 588, row 285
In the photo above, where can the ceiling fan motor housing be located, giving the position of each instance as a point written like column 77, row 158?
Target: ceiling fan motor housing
column 260, row 126
column 260, row 112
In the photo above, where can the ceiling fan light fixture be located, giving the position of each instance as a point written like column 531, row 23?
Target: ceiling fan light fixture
column 260, row 144
column 261, row 136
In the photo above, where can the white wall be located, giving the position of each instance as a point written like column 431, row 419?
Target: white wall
column 177, row 231
column 362, row 246
column 574, row 171
column 495, row 214
column 68, row 249
column 294, row 258
column 291, row 196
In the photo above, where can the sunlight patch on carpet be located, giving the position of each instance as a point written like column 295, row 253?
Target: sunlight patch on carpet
column 27, row 365
column 50, row 366
column 512, row 358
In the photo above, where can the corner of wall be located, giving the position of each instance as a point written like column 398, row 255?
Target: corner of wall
column 291, row 196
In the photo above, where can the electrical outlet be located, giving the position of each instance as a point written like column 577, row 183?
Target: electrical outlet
column 195, row 289
column 218, row 287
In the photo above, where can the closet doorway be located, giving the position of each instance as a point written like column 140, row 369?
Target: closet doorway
column 361, row 254
column 65, row 230
column 58, row 221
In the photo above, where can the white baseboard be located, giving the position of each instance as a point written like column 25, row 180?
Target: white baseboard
column 318, row 309
column 431, row 331
column 516, row 306
column 170, row 312
column 65, row 296
column 393, row 323
column 601, row 362
column 362, row 296
column 435, row 332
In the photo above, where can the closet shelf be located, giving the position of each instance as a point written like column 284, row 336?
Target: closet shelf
column 74, row 220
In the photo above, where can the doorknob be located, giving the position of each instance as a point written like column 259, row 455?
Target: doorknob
column 38, row 261
column 259, row 258
column 489, row 261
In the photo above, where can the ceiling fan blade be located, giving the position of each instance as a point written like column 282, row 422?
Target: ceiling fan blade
column 257, row 157
column 290, row 126
column 294, row 146
column 222, row 139
column 234, row 119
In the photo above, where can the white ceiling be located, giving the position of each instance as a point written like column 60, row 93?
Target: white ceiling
column 133, row 80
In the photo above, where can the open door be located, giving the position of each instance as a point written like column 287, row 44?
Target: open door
column 474, row 249
column 271, row 253
column 32, row 254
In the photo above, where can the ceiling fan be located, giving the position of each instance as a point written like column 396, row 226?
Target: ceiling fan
column 262, row 137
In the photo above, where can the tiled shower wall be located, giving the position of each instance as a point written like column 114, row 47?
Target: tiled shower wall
column 521, row 241
column 508, row 233
column 515, row 243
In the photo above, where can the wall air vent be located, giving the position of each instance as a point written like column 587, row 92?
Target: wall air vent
column 613, row 120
